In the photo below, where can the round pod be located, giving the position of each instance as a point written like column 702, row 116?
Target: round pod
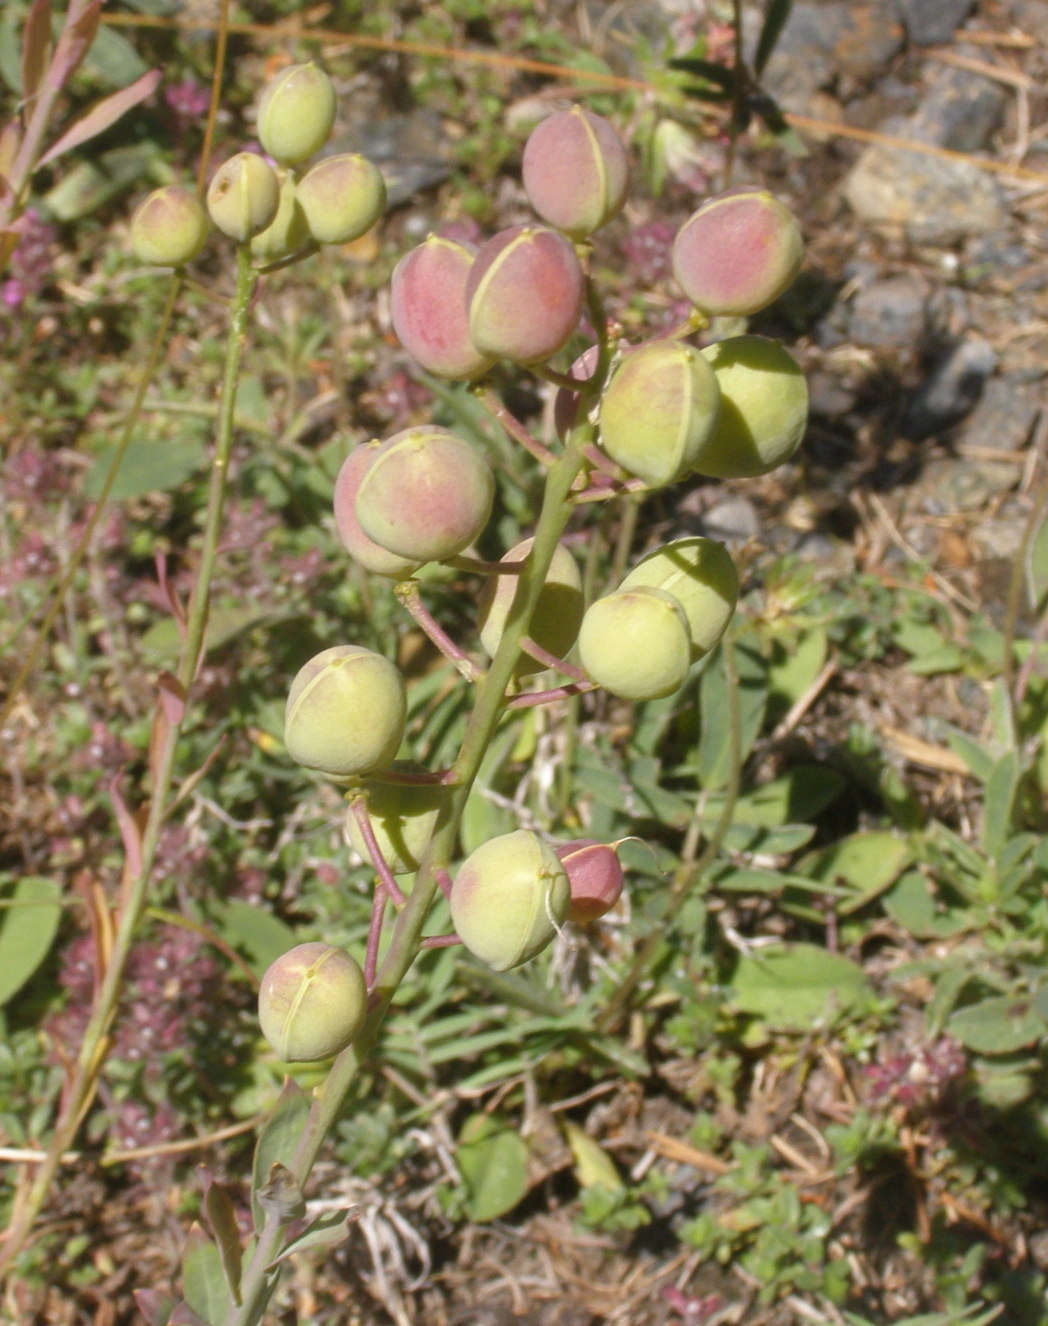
column 575, row 171
column 524, row 294
column 635, row 643
column 509, row 898
column 738, row 252
column 702, row 577
column 764, row 408
column 244, row 196
column 366, row 551
column 403, row 818
column 342, row 197
column 658, row 410
column 287, row 233
column 428, row 309
column 345, row 712
column 426, row 495
column 312, row 1002
column 296, row 113
column 169, row 227
column 558, row 614
column 595, row 876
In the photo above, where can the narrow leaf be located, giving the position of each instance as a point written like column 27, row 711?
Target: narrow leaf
column 28, row 924
column 36, row 38
column 222, row 1217
column 277, row 1141
column 103, row 114
column 81, row 28
column 327, row 1231
column 1002, row 788
column 774, row 22
column 714, row 72
column 203, row 1281
column 155, row 1306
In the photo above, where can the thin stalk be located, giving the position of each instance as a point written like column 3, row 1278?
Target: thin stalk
column 81, row 1088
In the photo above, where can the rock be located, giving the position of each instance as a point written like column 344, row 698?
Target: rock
column 733, row 520
column 950, row 390
column 951, row 483
column 892, row 312
column 823, row 42
column 1005, row 416
column 961, row 110
column 931, row 21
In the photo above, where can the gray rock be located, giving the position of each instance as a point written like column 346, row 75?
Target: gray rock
column 734, row 520
column 1005, row 416
column 951, row 483
column 961, row 111
column 890, row 313
column 822, row 44
column 930, row 21
column 950, row 390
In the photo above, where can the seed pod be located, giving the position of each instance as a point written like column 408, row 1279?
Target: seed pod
column 403, row 818
column 366, row 551
column 508, row 899
column 764, row 409
column 288, row 233
column 702, row 577
column 426, row 495
column 738, row 252
column 565, row 402
column 428, row 308
column 557, row 616
column 345, row 712
column 575, row 171
column 595, row 875
column 342, row 198
column 312, row 1002
column 658, row 410
column 243, row 197
column 524, row 294
column 635, row 643
column 296, row 113
column 169, row 227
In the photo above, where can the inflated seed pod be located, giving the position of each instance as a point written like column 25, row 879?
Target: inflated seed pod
column 342, row 197
column 169, row 227
column 287, row 234
column 575, row 171
column 403, row 818
column 345, row 712
column 508, row 899
column 380, row 561
column 312, row 1002
column 524, row 294
column 595, row 875
column 558, row 613
column 426, row 494
column 296, row 113
column 635, row 643
column 243, row 197
column 764, row 408
column 428, row 309
column 738, row 252
column 658, row 410
column 701, row 576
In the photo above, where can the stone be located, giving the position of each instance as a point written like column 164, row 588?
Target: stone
column 821, row 43
column 892, row 312
column 1005, row 416
column 931, row 21
column 950, row 390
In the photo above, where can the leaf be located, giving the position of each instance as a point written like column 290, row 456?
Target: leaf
column 865, row 863
column 794, row 667
column 492, row 1158
column 327, row 1231
column 1037, row 567
column 28, row 924
column 798, row 987
column 86, row 185
column 715, row 743
column 258, row 934
column 103, row 114
column 203, row 1280
column 36, row 41
column 911, row 903
column 154, row 1305
column 281, row 1195
column 77, row 36
column 113, row 59
column 277, row 1140
column 145, row 467
column 222, row 1218
column 1002, row 788
column 771, row 31
column 720, row 75
column 999, row 1025
column 162, row 642
column 593, row 1165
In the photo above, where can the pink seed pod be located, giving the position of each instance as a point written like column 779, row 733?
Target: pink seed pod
column 169, row 227
column 312, row 1002
column 738, row 252
column 595, row 875
column 524, row 294
column 426, row 494
column 575, row 171
column 366, row 551
column 428, row 304
column 557, row 616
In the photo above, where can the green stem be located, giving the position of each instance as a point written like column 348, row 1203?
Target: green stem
column 80, row 1089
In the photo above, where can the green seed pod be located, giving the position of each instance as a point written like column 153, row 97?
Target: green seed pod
column 244, row 196
column 702, row 577
column 575, row 171
column 658, row 410
column 296, row 113
column 764, row 409
column 738, row 252
column 635, row 643
column 169, row 227
column 342, row 198
column 558, row 613
column 426, row 495
column 596, row 878
column 403, row 818
column 345, row 712
column 311, row 1003
column 509, row 898
column 288, row 233
column 366, row 551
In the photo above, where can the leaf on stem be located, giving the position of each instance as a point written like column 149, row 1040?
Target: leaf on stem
column 103, row 114
column 36, row 41
column 81, row 28
column 221, row 1216
column 277, row 1141
column 28, row 924
column 325, row 1232
column 203, row 1279
column 168, row 714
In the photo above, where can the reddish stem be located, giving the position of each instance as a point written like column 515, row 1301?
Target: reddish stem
column 358, row 805
column 533, row 698
column 536, row 651
column 515, row 429
column 408, row 593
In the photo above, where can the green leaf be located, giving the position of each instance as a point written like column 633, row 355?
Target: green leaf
column 911, row 903
column 999, row 1025
column 277, row 1141
column 162, row 642
column 222, row 1219
column 771, row 30
column 864, row 863
column 258, row 934
column 593, row 1165
column 799, row 986
column 327, row 1231
column 1037, row 567
column 203, row 1280
column 98, row 179
column 113, row 59
column 715, row 743
column 28, row 924
column 1002, row 788
column 492, row 1158
column 145, row 467
column 793, row 669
